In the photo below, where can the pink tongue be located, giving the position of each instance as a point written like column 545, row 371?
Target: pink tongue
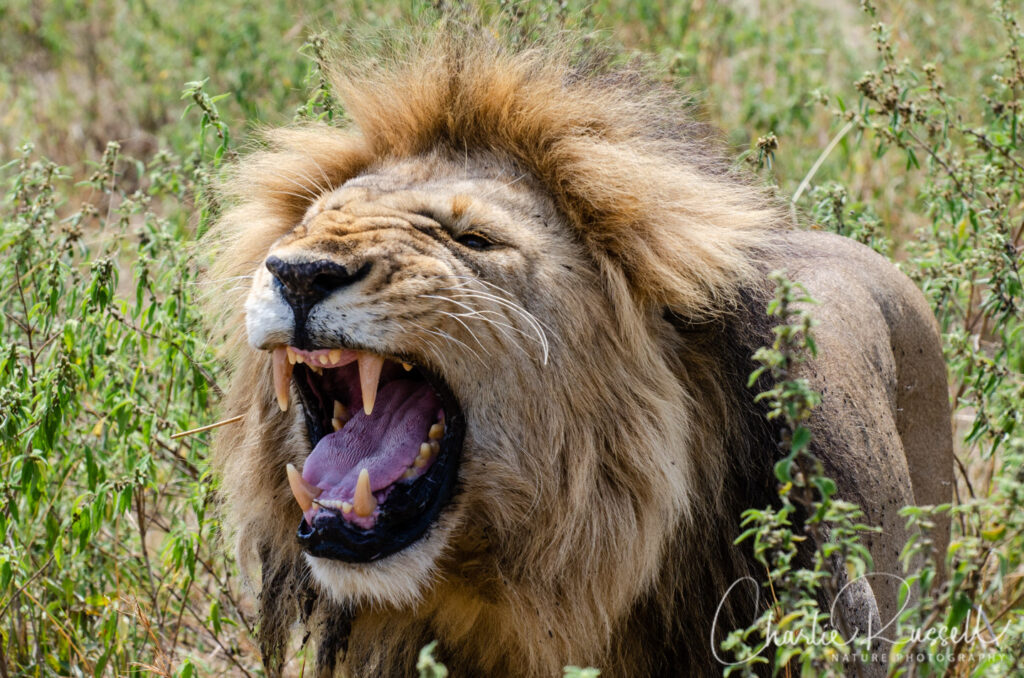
column 385, row 443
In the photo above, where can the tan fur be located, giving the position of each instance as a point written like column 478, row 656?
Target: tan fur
column 609, row 452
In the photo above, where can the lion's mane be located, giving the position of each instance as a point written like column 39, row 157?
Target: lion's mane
column 614, row 546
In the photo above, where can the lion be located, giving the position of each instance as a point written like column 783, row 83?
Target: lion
column 491, row 361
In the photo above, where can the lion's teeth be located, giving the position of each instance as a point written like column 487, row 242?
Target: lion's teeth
column 364, row 502
column 427, row 450
column 341, row 412
column 316, row 370
column 406, row 366
column 436, row 431
column 369, row 374
column 291, row 355
column 346, row 507
column 282, row 370
column 303, row 491
column 337, row 424
column 335, row 355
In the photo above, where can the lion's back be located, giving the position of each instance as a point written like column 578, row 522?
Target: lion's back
column 884, row 422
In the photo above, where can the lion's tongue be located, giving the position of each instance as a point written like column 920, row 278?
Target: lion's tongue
column 385, row 443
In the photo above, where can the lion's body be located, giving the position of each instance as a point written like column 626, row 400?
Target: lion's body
column 611, row 447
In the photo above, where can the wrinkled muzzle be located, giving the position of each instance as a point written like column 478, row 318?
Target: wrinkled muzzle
column 386, row 431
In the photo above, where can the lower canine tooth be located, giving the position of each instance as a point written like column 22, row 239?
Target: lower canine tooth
column 336, row 424
column 282, row 376
column 341, row 412
column 303, row 491
column 364, row 502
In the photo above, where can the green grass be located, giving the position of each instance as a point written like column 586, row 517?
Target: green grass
column 111, row 561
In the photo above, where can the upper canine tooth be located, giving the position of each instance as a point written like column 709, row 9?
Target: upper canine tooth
column 406, row 366
column 369, row 374
column 282, row 370
column 303, row 491
column 364, row 502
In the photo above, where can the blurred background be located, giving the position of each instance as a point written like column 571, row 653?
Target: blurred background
column 898, row 125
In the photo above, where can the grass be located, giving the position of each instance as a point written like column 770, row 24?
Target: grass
column 898, row 126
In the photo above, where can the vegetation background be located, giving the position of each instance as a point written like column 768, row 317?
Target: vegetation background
column 898, row 125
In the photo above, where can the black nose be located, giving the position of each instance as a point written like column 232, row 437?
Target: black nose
column 304, row 283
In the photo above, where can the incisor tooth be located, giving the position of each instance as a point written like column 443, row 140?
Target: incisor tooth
column 291, row 355
column 303, row 491
column 335, row 355
column 369, row 374
column 364, row 502
column 282, row 376
column 436, row 431
column 346, row 507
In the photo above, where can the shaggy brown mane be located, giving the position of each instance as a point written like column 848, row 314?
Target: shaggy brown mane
column 643, row 184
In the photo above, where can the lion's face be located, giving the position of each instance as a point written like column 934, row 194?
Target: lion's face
column 417, row 320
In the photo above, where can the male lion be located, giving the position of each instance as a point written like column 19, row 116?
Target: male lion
column 493, row 373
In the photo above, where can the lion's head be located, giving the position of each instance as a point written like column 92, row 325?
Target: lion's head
column 459, row 331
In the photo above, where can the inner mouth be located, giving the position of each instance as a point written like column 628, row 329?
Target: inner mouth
column 386, row 438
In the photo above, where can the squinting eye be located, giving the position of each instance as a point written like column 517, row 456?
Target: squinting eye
column 475, row 241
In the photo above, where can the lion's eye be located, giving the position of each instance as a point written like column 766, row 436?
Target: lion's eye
column 475, row 240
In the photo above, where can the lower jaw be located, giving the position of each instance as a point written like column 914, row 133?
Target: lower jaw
column 410, row 512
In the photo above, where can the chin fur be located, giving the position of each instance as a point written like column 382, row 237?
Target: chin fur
column 400, row 580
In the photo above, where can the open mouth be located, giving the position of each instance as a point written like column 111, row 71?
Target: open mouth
column 386, row 438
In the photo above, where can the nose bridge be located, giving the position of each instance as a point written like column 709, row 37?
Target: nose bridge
column 328, row 252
